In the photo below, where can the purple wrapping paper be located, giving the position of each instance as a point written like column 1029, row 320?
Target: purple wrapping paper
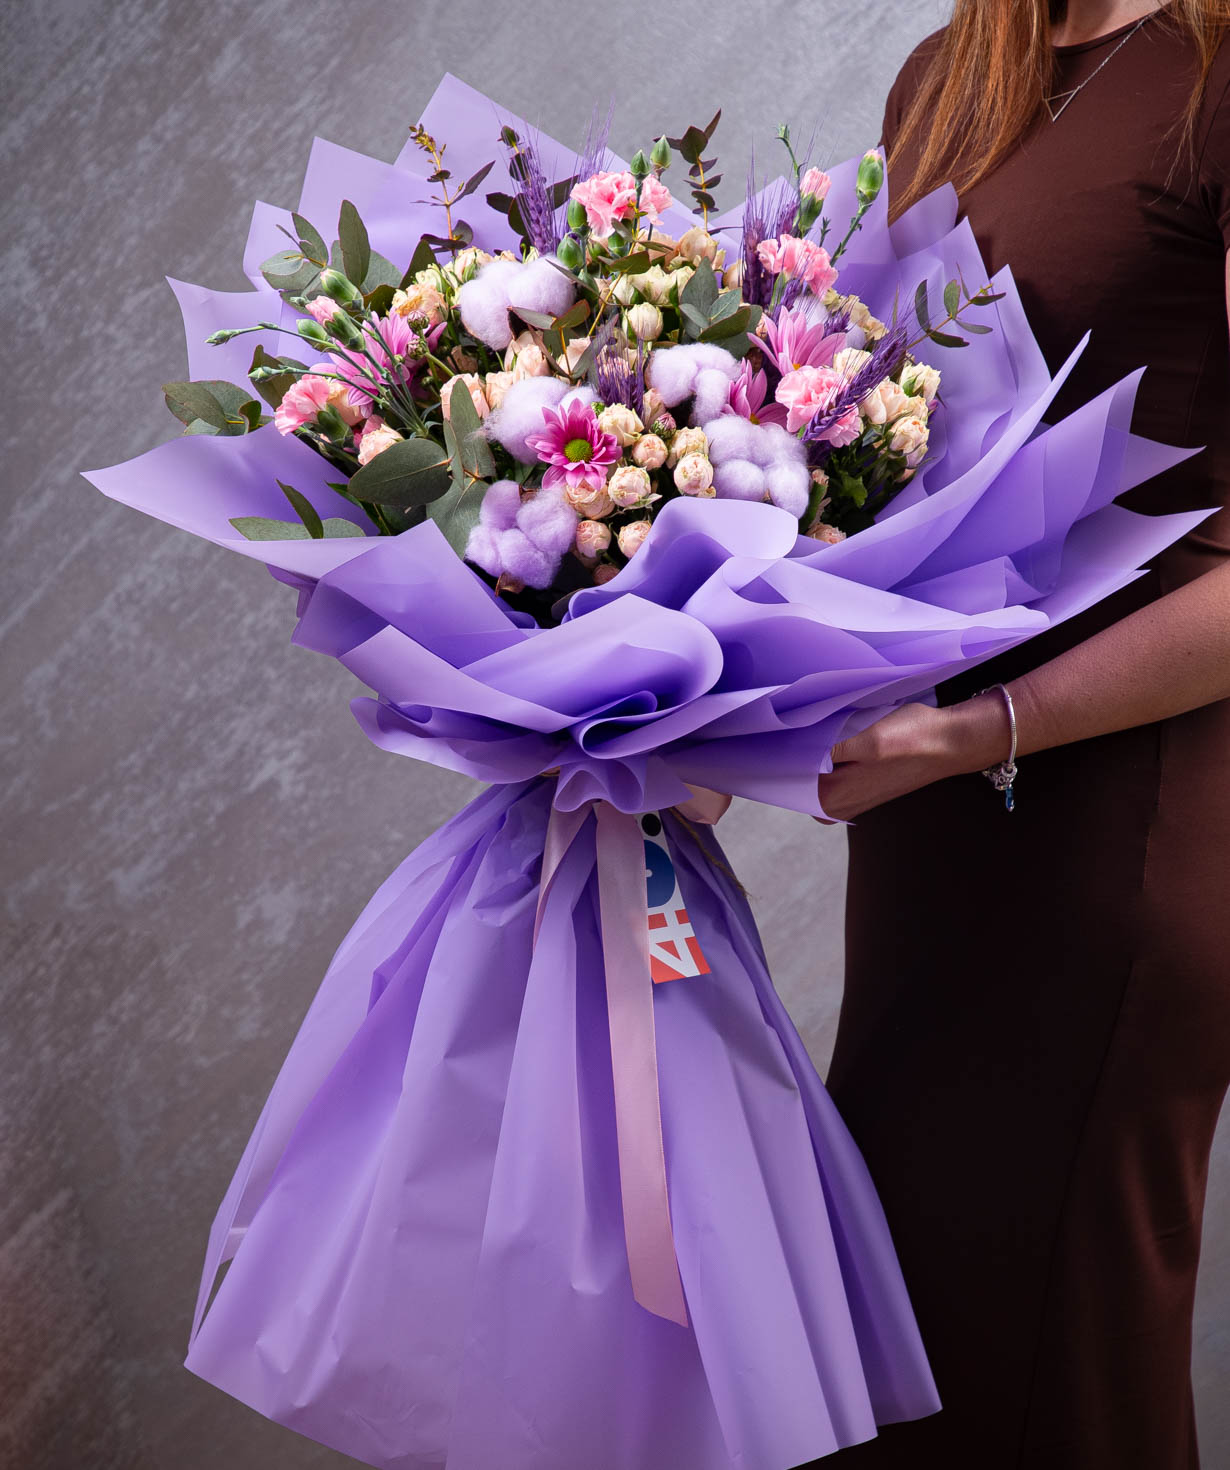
column 427, row 1263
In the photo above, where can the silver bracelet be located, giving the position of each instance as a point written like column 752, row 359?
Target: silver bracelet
column 1003, row 776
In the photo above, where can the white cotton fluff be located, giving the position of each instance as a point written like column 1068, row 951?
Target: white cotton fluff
column 500, row 505
column 541, row 284
column 758, row 462
column 520, row 415
column 675, row 372
column 788, row 486
column 483, row 303
column 549, row 521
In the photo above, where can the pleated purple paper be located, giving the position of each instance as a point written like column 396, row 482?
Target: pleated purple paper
column 427, row 1263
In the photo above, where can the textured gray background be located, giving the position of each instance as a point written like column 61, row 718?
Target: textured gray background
column 194, row 819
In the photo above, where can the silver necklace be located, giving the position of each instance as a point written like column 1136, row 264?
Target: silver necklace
column 1064, row 99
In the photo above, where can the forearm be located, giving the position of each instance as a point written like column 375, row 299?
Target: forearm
column 1162, row 660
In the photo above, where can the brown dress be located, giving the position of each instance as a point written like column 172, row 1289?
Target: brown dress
column 1035, row 1036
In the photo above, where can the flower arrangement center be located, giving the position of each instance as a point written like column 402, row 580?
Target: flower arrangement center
column 578, row 450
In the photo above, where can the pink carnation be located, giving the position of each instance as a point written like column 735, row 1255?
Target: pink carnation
column 655, row 197
column 797, row 259
column 807, row 391
column 844, row 429
column 300, row 404
column 816, row 183
column 606, row 197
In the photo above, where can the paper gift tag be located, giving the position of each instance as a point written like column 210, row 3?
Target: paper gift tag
column 674, row 950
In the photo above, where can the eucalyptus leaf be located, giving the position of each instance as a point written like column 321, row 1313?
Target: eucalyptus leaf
column 952, row 298
column 457, row 514
column 465, row 429
column 576, row 314
column 352, row 237
column 474, row 181
column 728, row 326
column 543, row 320
column 272, row 390
column 701, row 290
column 304, row 509
column 696, row 320
column 976, row 327
column 262, row 528
column 217, row 402
column 410, row 472
column 311, row 241
column 288, row 272
column 945, row 339
column 380, row 299
column 199, row 426
column 921, row 309
column 380, row 272
column 633, row 264
column 423, row 257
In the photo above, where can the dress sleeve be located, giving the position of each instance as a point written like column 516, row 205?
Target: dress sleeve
column 1214, row 157
column 901, row 93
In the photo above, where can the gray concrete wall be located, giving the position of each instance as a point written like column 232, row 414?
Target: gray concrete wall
column 194, row 819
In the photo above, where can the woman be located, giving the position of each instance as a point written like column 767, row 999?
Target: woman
column 1035, row 1037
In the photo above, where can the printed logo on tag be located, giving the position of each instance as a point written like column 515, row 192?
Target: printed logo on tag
column 674, row 950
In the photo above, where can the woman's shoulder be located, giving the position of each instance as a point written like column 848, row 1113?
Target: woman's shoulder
column 908, row 79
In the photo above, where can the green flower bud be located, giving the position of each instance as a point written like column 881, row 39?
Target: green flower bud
column 311, row 331
column 339, row 287
column 578, row 220
column 570, row 253
column 870, row 178
column 216, row 339
column 639, row 166
column 342, row 329
column 330, row 422
column 268, row 371
column 660, row 154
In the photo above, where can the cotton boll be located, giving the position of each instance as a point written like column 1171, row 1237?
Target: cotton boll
column 730, row 437
column 500, row 505
column 788, row 485
column 712, row 390
column 541, row 285
column 522, row 560
column 776, row 445
column 739, row 479
column 482, row 550
column 673, row 372
column 483, row 303
column 549, row 521
column 520, row 414
column 583, row 393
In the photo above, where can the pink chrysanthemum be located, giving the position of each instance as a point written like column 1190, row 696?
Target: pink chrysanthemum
column 575, row 445
column 796, row 340
column 749, row 398
column 387, row 354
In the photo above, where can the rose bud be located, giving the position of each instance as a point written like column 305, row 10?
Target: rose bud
column 649, row 452
column 628, row 485
column 644, row 321
column 688, row 441
column 623, row 422
column 593, row 538
column 694, row 475
column 632, row 537
column 605, row 573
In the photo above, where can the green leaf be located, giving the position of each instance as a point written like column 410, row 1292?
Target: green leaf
column 457, row 514
column 701, row 290
column 411, row 472
column 472, row 451
column 423, row 256
column 987, row 298
column 262, row 528
column 630, row 264
column 728, row 326
column 199, row 426
column 474, row 181
column 561, row 189
column 311, row 241
column 288, row 272
column 380, row 272
column 352, row 237
column 304, row 509
column 976, row 327
column 379, row 300
column 952, row 298
column 846, row 486
column 251, row 411
column 272, row 390
column 944, row 339
column 697, row 321
column 540, row 319
column 219, row 403
column 921, row 309
column 726, row 305
column 576, row 314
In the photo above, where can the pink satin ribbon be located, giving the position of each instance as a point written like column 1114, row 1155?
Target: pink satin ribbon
column 623, row 911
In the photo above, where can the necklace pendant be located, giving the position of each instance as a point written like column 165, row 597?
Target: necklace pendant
column 1063, row 98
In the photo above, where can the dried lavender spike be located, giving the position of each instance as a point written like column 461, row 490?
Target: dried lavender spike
column 537, row 210
column 886, row 357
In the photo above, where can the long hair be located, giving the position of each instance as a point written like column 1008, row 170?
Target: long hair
column 988, row 78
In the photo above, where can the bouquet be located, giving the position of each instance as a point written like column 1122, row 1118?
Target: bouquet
column 624, row 506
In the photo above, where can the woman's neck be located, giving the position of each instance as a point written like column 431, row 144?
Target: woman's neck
column 1086, row 20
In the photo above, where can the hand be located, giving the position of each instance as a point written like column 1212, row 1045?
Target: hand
column 910, row 748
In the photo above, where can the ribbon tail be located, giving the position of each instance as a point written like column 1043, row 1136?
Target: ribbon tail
column 634, row 1063
column 562, row 828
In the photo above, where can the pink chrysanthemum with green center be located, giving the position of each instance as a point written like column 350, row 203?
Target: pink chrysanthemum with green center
column 575, row 446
